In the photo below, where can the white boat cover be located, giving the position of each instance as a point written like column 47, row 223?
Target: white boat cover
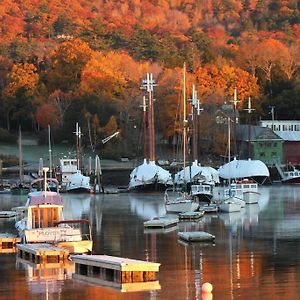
column 78, row 181
column 206, row 174
column 148, row 173
column 244, row 169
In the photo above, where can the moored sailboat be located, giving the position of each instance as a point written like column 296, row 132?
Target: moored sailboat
column 148, row 176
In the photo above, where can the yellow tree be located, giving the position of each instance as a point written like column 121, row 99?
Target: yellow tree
column 67, row 62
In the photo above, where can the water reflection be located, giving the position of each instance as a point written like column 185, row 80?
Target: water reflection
column 46, row 279
column 255, row 255
column 147, row 206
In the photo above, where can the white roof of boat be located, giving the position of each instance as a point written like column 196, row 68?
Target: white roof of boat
column 208, row 174
column 239, row 168
column 42, row 197
column 147, row 172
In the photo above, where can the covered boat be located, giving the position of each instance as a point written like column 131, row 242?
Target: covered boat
column 241, row 169
column 149, row 176
column 197, row 173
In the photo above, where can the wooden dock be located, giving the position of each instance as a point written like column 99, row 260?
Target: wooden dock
column 122, row 287
column 42, row 253
column 160, row 222
column 196, row 236
column 8, row 243
column 189, row 216
column 114, row 269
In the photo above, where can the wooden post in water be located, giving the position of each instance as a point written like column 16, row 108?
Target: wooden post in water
column 98, row 175
column 1, row 169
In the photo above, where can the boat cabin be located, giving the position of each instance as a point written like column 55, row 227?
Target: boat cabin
column 43, row 211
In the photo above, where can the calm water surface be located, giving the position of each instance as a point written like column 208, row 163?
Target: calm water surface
column 255, row 256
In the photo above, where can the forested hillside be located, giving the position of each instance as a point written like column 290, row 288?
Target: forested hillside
column 84, row 60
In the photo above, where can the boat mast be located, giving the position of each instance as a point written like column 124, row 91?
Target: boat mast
column 195, row 106
column 229, row 150
column 50, row 151
column 249, row 110
column 148, row 84
column 78, row 145
column 144, row 106
column 21, row 172
column 235, row 102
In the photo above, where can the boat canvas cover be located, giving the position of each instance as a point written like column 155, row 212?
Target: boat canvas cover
column 206, row 174
column 244, row 169
column 42, row 197
column 148, row 173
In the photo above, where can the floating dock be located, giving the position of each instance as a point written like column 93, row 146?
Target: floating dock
column 98, row 268
column 7, row 214
column 42, row 253
column 160, row 222
column 188, row 216
column 196, row 236
column 8, row 243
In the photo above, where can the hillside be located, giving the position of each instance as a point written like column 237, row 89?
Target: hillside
column 84, row 60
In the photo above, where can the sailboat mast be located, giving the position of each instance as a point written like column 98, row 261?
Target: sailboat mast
column 229, row 150
column 249, row 110
column 184, row 118
column 21, row 173
column 50, row 151
column 145, row 127
column 148, row 84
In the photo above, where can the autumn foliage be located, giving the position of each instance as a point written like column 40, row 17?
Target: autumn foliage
column 59, row 62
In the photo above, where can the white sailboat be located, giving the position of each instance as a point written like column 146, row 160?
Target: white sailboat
column 232, row 196
column 148, row 175
column 182, row 202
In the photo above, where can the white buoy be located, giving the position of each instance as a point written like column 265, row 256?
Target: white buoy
column 207, row 287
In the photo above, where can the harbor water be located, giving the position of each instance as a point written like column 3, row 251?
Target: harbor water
column 255, row 254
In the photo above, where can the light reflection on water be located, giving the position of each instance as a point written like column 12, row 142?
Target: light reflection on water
column 255, row 254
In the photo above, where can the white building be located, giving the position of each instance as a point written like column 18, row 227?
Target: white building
column 281, row 125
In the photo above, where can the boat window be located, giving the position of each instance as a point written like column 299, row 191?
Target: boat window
column 253, row 185
column 291, row 173
column 296, row 173
column 246, row 186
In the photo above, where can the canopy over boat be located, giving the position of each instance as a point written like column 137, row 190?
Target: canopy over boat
column 148, row 173
column 196, row 173
column 42, row 197
column 239, row 169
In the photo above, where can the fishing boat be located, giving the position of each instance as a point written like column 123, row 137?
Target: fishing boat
column 44, row 223
column 148, row 176
column 249, row 189
column 180, row 202
column 72, row 179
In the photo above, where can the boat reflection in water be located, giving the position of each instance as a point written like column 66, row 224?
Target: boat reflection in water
column 147, row 206
column 46, row 278
column 76, row 206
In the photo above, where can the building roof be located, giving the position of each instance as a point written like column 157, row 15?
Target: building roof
column 293, row 136
column 257, row 133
